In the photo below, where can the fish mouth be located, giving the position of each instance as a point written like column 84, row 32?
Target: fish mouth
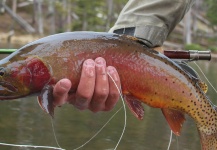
column 6, row 88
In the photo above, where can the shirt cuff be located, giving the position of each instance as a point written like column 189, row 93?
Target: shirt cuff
column 152, row 36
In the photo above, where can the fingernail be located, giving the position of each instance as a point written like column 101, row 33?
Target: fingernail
column 89, row 63
column 63, row 85
column 89, row 68
column 100, row 62
column 101, row 65
column 112, row 71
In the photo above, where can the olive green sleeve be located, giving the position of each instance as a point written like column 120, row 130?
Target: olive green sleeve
column 152, row 20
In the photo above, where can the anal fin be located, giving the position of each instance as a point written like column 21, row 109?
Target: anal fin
column 45, row 100
column 175, row 119
column 135, row 106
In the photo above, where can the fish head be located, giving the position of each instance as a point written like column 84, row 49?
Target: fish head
column 14, row 80
column 22, row 77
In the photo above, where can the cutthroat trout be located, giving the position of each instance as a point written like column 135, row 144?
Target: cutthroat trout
column 147, row 76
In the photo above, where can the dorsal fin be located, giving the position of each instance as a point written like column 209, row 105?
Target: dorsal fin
column 175, row 119
column 203, row 86
column 135, row 106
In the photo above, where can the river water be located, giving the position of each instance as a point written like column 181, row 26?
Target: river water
column 23, row 122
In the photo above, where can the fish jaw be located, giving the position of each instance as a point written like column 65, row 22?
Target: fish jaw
column 13, row 81
column 7, row 89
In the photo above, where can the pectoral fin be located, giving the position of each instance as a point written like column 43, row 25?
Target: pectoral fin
column 45, row 100
column 175, row 119
column 135, row 106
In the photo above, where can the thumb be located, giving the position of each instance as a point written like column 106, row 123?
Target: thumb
column 60, row 92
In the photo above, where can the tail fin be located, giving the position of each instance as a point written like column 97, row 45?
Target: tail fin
column 208, row 141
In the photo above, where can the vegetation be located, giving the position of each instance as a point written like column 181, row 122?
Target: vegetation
column 92, row 15
column 211, row 11
column 193, row 47
column 213, row 49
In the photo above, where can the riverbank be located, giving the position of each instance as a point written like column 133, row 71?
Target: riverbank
column 17, row 39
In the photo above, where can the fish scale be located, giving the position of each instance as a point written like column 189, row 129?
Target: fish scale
column 146, row 77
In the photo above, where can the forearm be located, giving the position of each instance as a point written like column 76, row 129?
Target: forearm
column 153, row 19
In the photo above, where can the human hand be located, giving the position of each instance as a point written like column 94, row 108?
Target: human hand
column 96, row 91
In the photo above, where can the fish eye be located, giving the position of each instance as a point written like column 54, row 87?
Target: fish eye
column 2, row 72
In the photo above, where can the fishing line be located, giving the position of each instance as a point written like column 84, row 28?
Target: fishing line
column 177, row 143
column 54, row 133
column 31, row 146
column 171, row 136
column 125, row 120
column 34, row 146
column 125, row 112
column 205, row 77
column 99, row 130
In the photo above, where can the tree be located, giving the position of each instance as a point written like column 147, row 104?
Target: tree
column 211, row 12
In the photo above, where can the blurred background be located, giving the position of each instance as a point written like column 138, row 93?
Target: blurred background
column 23, row 122
column 23, row 21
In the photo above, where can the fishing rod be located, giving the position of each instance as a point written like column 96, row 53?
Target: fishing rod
column 182, row 57
column 188, row 55
column 7, row 51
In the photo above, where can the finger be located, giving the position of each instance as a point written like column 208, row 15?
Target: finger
column 101, row 87
column 60, row 92
column 114, row 94
column 86, row 85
